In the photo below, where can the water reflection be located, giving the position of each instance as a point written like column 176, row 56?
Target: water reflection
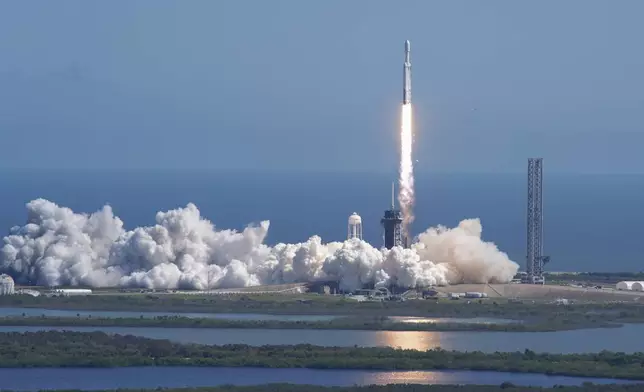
column 626, row 339
column 151, row 377
column 443, row 320
column 408, row 339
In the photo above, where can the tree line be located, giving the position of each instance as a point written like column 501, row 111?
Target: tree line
column 505, row 387
column 98, row 349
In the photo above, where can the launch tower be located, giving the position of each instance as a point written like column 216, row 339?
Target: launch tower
column 535, row 258
column 392, row 223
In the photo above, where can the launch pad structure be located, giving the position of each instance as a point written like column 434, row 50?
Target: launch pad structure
column 535, row 260
column 392, row 224
column 392, row 221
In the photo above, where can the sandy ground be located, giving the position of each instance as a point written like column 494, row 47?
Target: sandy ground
column 528, row 291
column 507, row 291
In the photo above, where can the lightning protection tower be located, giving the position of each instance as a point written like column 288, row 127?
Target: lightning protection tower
column 355, row 226
column 535, row 258
column 392, row 223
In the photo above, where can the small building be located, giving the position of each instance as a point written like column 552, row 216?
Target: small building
column 474, row 294
column 33, row 293
column 69, row 292
column 429, row 293
column 7, row 285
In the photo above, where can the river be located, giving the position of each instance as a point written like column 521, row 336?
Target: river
column 173, row 377
column 625, row 339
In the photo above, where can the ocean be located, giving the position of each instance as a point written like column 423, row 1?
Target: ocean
column 592, row 222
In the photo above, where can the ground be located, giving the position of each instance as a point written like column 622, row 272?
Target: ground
column 541, row 292
column 507, row 291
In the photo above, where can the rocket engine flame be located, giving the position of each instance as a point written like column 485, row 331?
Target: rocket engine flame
column 406, row 179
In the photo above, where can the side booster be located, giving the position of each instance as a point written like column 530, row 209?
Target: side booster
column 407, row 75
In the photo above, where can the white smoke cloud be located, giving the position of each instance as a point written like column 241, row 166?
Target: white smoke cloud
column 183, row 250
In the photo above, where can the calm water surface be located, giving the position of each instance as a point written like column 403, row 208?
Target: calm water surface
column 625, row 339
column 152, row 377
column 7, row 312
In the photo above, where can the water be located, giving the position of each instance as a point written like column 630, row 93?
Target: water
column 443, row 320
column 174, row 377
column 37, row 312
column 626, row 339
column 5, row 312
column 603, row 210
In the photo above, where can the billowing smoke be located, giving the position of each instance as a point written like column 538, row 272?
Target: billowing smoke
column 183, row 250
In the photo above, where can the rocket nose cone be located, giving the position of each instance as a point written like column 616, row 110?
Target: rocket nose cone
column 407, row 46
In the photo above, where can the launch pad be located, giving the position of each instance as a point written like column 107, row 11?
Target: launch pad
column 396, row 221
column 392, row 224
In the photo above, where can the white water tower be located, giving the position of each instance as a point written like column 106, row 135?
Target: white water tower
column 6, row 285
column 355, row 226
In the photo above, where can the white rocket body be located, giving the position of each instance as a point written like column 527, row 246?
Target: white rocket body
column 407, row 75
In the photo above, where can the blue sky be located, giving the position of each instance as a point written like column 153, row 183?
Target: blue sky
column 316, row 86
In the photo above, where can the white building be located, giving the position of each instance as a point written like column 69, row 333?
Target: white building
column 68, row 292
column 33, row 293
column 7, row 286
column 624, row 285
column 355, row 226
column 630, row 286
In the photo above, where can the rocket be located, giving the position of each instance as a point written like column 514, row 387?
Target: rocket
column 407, row 75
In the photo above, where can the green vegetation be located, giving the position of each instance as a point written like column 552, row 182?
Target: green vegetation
column 97, row 349
column 314, row 304
column 344, row 323
column 535, row 316
column 508, row 387
column 251, row 303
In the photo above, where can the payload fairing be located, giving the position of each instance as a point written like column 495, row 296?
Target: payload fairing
column 407, row 75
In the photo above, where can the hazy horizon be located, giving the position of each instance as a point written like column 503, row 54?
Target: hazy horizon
column 591, row 222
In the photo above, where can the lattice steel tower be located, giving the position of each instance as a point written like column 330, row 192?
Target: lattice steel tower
column 392, row 223
column 535, row 258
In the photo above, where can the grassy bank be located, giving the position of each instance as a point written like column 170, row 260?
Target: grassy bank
column 344, row 323
column 96, row 349
column 316, row 304
column 536, row 316
column 507, row 387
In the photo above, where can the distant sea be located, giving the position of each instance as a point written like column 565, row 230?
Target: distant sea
column 592, row 222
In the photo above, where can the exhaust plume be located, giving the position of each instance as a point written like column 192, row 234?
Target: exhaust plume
column 406, row 179
column 183, row 250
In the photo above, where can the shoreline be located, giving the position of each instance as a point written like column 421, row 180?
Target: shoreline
column 53, row 349
column 345, row 323
column 529, row 317
column 286, row 387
